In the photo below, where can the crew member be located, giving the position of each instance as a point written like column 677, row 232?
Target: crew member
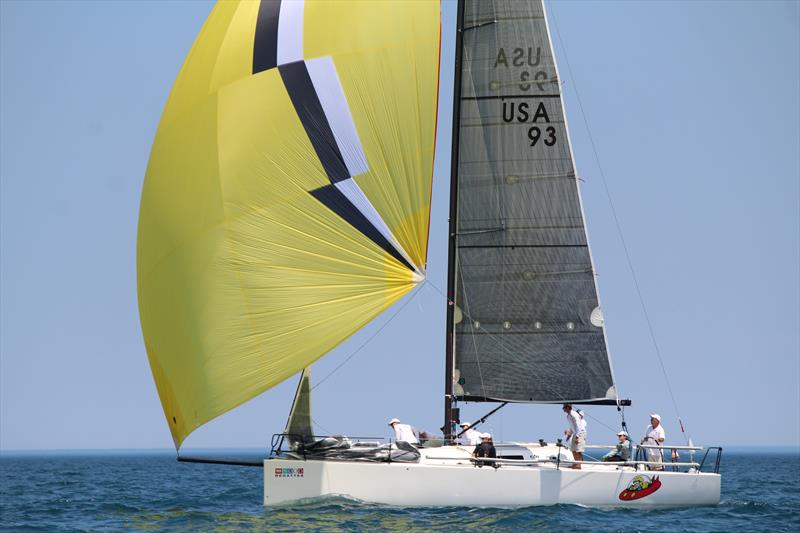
column 575, row 437
column 655, row 435
column 622, row 452
column 470, row 437
column 485, row 449
column 403, row 432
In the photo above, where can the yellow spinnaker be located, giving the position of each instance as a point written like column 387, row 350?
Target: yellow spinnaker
column 287, row 197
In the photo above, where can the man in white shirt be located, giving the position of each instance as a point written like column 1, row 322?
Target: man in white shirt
column 470, row 436
column 576, row 434
column 655, row 435
column 403, row 432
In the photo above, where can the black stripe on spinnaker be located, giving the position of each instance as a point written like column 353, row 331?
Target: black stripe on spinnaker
column 265, row 43
column 332, row 198
column 309, row 110
column 312, row 116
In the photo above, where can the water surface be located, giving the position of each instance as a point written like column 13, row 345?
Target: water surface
column 136, row 490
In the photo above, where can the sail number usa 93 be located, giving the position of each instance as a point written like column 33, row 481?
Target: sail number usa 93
column 534, row 113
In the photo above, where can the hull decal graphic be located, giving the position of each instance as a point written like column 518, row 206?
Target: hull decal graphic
column 640, row 487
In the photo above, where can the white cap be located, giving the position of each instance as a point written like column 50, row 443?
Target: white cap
column 464, row 425
column 486, row 435
column 623, row 433
column 657, row 417
column 394, row 421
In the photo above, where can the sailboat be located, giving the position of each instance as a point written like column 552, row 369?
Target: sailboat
column 287, row 203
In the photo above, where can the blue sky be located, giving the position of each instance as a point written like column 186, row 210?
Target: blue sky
column 695, row 111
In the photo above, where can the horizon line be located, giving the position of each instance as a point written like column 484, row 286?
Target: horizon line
column 165, row 450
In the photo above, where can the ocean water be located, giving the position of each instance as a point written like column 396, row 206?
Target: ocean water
column 114, row 491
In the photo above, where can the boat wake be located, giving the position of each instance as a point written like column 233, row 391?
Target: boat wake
column 328, row 500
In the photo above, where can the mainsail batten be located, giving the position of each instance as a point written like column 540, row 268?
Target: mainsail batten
column 245, row 275
column 528, row 326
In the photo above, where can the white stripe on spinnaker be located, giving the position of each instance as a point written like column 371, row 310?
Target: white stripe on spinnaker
column 290, row 31
column 330, row 92
column 357, row 197
column 331, row 95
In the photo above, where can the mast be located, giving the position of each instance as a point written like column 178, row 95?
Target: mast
column 452, row 234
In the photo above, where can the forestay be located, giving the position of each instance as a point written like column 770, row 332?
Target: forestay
column 528, row 327
column 287, row 197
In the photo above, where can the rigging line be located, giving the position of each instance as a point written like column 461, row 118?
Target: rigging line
column 368, row 340
column 466, row 315
column 327, row 431
column 598, row 420
column 618, row 225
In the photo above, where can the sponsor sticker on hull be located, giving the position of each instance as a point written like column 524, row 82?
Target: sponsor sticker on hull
column 289, row 472
column 640, row 487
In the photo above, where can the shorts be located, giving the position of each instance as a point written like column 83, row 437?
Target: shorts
column 577, row 444
column 655, row 456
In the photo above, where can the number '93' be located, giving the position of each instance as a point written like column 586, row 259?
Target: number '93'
column 535, row 133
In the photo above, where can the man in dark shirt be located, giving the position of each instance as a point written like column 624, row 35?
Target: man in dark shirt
column 485, row 449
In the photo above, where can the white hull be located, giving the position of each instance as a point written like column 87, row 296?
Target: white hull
column 452, row 482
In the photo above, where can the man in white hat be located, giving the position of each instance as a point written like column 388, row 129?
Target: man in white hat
column 655, row 435
column 403, row 431
column 470, row 437
column 485, row 449
column 622, row 452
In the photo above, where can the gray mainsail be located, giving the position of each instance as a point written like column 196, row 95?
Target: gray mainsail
column 527, row 323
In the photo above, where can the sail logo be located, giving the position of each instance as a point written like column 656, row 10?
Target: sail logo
column 640, row 487
column 289, row 472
